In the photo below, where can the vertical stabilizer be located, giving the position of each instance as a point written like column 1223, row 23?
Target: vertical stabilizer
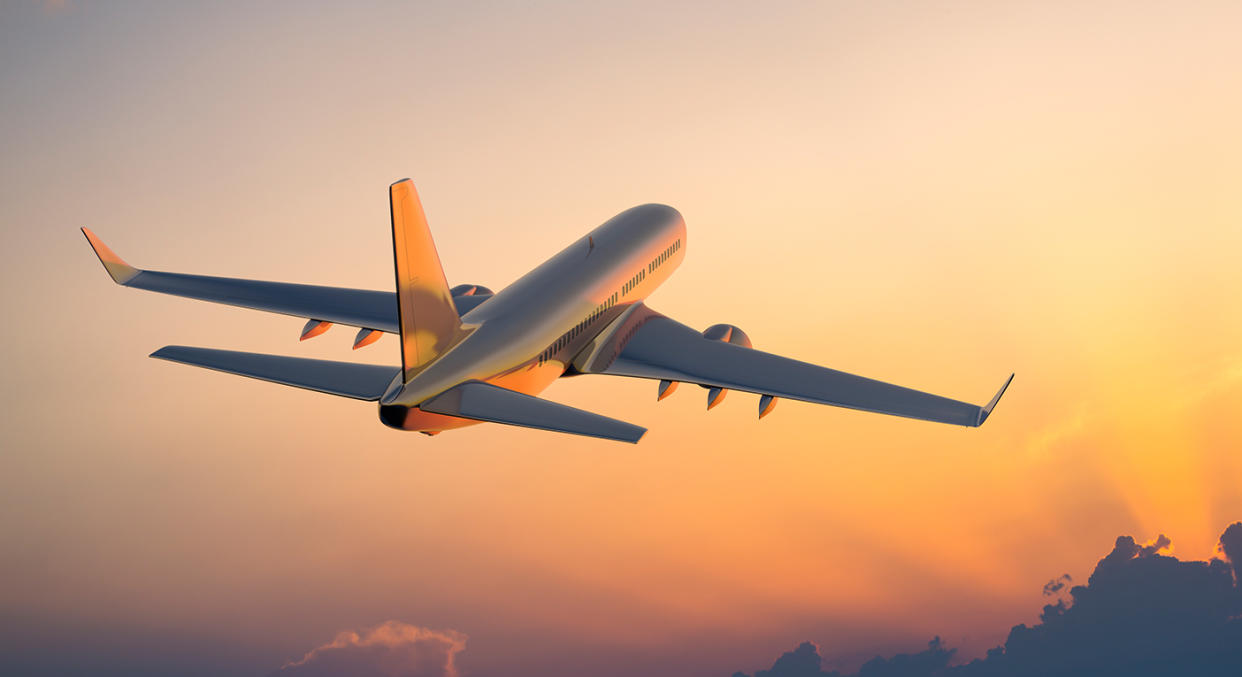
column 429, row 320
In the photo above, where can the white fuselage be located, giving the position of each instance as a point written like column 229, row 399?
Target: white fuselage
column 525, row 336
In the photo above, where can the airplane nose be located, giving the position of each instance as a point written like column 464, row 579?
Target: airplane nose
column 657, row 212
column 648, row 218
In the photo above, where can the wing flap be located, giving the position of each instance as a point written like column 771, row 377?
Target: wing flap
column 346, row 379
column 662, row 348
column 485, row 402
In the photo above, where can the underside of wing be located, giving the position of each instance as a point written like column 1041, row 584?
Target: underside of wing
column 650, row 345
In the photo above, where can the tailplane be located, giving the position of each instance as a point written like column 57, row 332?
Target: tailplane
column 428, row 319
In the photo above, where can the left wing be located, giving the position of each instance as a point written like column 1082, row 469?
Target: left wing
column 354, row 307
column 337, row 305
column 646, row 344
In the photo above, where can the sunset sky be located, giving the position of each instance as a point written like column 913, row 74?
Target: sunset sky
column 934, row 194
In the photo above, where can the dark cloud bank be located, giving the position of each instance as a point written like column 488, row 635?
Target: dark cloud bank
column 1141, row 613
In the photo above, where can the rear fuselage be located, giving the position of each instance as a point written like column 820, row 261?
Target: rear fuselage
column 525, row 336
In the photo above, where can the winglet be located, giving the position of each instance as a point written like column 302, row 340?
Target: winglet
column 121, row 272
column 987, row 410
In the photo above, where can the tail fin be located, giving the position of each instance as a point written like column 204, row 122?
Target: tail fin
column 428, row 319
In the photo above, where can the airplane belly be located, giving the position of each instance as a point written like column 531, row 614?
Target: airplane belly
column 530, row 380
column 414, row 419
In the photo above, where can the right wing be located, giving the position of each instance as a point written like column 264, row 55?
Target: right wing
column 646, row 344
column 338, row 305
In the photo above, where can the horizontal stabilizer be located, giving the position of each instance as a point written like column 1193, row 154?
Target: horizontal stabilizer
column 347, row 379
column 485, row 402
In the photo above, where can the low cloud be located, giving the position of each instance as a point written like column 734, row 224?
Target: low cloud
column 391, row 649
column 1231, row 546
column 1141, row 613
column 1057, row 584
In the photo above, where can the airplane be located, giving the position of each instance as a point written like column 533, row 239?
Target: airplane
column 469, row 355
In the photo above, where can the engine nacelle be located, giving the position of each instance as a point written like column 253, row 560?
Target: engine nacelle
column 727, row 333
column 467, row 297
column 731, row 334
column 470, row 290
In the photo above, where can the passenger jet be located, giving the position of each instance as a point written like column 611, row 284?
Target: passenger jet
column 469, row 355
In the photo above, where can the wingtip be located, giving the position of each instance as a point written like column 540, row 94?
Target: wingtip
column 163, row 353
column 986, row 411
column 120, row 271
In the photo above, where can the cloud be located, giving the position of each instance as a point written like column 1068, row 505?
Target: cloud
column 805, row 661
column 1057, row 584
column 929, row 662
column 1141, row 613
column 391, row 649
column 801, row 662
column 1231, row 545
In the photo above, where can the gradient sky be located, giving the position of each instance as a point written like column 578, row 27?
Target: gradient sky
column 934, row 194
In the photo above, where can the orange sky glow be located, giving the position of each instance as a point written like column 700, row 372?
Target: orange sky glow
column 933, row 194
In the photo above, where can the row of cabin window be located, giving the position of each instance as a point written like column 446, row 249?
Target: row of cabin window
column 564, row 339
column 629, row 286
column 664, row 255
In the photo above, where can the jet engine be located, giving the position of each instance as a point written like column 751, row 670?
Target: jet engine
column 470, row 290
column 729, row 334
column 467, row 297
column 732, row 334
